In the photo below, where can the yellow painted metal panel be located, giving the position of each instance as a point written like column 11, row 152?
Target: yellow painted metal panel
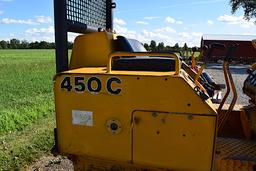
column 92, row 50
column 157, row 92
column 174, row 141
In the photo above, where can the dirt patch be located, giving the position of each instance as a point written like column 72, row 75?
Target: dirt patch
column 51, row 163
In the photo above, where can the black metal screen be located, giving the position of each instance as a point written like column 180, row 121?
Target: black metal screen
column 90, row 12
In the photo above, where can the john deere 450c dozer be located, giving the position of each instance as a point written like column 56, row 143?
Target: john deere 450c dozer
column 119, row 107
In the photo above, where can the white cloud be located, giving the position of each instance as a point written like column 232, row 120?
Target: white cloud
column 191, row 38
column 210, row 22
column 39, row 34
column 124, row 31
column 191, row 35
column 147, row 36
column 142, row 22
column 14, row 21
column 119, row 22
column 179, row 22
column 35, row 21
column 230, row 19
column 248, row 34
column 143, row 36
column 171, row 20
column 165, row 34
column 40, row 30
column 165, row 30
column 43, row 19
column 234, row 20
column 151, row 18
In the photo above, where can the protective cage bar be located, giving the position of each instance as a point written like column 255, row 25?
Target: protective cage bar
column 78, row 16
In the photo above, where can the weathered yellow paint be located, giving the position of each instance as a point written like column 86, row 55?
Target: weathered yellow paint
column 163, row 123
column 172, row 140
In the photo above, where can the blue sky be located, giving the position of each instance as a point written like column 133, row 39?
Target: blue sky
column 169, row 21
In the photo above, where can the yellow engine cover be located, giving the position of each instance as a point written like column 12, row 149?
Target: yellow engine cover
column 154, row 119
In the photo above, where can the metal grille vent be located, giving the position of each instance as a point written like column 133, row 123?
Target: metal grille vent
column 89, row 12
column 235, row 149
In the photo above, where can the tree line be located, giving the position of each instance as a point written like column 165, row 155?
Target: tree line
column 161, row 47
column 18, row 44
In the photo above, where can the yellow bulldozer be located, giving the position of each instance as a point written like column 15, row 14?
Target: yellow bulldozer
column 119, row 107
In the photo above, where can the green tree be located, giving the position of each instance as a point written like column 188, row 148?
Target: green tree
column 168, row 48
column 34, row 45
column 160, row 46
column 153, row 46
column 52, row 45
column 176, row 46
column 17, row 44
column 4, row 44
column 43, row 45
column 185, row 50
column 24, row 44
column 14, row 44
column 146, row 46
column 249, row 7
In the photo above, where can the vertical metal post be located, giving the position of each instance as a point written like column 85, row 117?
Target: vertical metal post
column 61, row 38
column 109, row 16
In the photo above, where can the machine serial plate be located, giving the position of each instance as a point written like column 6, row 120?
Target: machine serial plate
column 82, row 117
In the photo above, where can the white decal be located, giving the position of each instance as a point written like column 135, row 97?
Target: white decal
column 82, row 117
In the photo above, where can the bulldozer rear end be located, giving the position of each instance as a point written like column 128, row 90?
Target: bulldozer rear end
column 135, row 119
column 138, row 111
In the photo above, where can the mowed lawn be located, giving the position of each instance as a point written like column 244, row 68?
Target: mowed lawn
column 26, row 106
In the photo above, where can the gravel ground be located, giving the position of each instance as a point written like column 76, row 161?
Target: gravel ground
column 239, row 75
column 50, row 163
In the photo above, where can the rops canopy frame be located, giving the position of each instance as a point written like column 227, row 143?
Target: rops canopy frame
column 78, row 16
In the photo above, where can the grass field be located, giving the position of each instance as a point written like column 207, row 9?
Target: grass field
column 26, row 106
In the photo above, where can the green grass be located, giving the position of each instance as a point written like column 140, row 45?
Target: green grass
column 26, row 87
column 21, row 148
column 26, row 102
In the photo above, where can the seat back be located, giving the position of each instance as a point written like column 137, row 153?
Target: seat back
column 92, row 50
